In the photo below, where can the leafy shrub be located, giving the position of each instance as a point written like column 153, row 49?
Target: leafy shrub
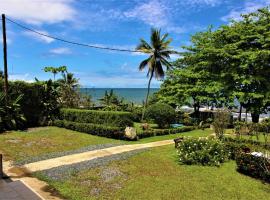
column 234, row 148
column 110, row 118
column 39, row 100
column 11, row 116
column 162, row 114
column 157, row 132
column 221, row 122
column 202, row 151
column 93, row 129
column 187, row 120
column 255, row 166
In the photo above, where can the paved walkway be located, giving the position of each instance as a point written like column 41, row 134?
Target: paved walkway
column 41, row 187
column 90, row 155
column 17, row 190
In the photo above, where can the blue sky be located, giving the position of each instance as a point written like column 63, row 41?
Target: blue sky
column 113, row 23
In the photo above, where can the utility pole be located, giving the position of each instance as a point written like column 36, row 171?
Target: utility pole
column 5, row 57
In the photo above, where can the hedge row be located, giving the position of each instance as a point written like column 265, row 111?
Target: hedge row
column 255, row 166
column 110, row 118
column 158, row 132
column 93, row 129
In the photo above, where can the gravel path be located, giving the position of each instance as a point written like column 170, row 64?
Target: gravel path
column 90, row 155
column 63, row 153
column 65, row 171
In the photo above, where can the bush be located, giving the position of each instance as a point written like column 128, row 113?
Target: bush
column 157, row 132
column 110, row 118
column 221, row 122
column 202, row 151
column 162, row 114
column 38, row 101
column 255, row 166
column 93, row 129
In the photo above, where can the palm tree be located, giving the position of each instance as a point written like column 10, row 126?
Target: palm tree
column 69, row 81
column 159, row 52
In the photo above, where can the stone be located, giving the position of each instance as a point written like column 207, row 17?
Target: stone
column 130, row 133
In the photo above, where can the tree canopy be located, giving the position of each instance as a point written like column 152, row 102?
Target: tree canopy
column 231, row 62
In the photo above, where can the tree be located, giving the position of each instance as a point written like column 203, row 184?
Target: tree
column 230, row 63
column 55, row 70
column 190, row 84
column 244, row 60
column 68, row 90
column 110, row 99
column 159, row 52
column 69, row 81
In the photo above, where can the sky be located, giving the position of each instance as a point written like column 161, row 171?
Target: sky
column 111, row 23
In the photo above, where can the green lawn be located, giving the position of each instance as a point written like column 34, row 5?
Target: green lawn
column 19, row 145
column 156, row 174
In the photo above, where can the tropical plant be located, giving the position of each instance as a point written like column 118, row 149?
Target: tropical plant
column 159, row 52
column 11, row 116
column 110, row 99
column 69, row 94
column 68, row 80
column 55, row 70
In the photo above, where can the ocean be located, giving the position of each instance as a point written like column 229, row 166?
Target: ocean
column 135, row 95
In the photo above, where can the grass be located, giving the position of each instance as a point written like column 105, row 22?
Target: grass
column 156, row 174
column 260, row 138
column 18, row 145
column 138, row 127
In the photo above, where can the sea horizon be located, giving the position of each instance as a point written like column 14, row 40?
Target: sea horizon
column 135, row 95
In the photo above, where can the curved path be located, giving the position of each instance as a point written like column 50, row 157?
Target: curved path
column 41, row 187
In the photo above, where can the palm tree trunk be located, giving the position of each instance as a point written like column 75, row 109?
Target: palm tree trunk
column 147, row 95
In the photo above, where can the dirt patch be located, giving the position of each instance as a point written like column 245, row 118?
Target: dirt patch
column 37, row 129
column 108, row 174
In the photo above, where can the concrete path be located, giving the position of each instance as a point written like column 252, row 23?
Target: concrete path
column 90, row 155
column 41, row 187
column 17, row 190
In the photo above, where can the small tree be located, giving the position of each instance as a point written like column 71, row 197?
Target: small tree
column 221, row 122
column 162, row 114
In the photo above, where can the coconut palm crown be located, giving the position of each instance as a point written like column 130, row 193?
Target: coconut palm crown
column 159, row 53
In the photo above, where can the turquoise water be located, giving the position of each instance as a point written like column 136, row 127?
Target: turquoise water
column 136, row 95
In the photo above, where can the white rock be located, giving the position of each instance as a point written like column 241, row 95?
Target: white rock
column 130, row 133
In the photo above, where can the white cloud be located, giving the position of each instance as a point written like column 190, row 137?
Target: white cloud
column 39, row 37
column 202, row 2
column 152, row 13
column 21, row 77
column 39, row 12
column 60, row 51
column 249, row 6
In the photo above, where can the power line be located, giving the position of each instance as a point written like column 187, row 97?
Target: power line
column 68, row 41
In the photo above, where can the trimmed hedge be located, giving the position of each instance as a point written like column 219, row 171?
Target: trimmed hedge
column 254, row 166
column 110, row 118
column 93, row 129
column 158, row 132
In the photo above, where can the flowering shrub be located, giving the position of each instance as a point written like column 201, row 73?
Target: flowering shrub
column 255, row 166
column 202, row 151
